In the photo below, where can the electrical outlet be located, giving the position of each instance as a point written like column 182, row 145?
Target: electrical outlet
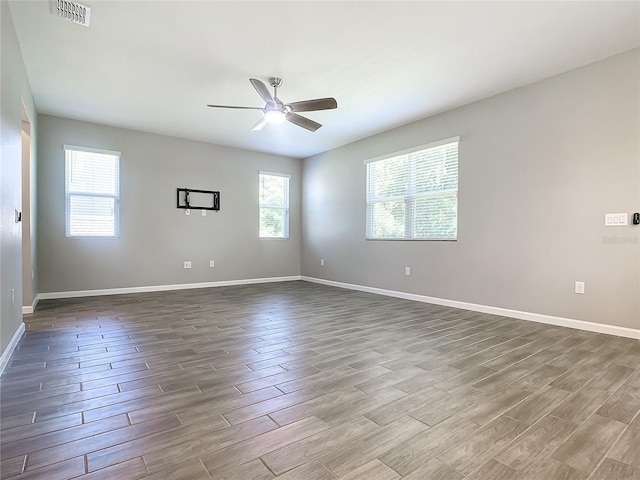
column 187, row 264
column 407, row 271
column 187, row 211
column 212, row 264
column 322, row 262
column 580, row 288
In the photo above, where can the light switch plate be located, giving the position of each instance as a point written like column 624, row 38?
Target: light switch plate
column 616, row 219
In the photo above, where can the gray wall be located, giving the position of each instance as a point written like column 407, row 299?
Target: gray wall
column 155, row 236
column 539, row 168
column 14, row 90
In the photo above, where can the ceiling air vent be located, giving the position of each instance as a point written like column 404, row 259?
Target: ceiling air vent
column 72, row 11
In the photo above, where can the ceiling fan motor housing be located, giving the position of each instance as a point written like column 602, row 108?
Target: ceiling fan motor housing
column 275, row 82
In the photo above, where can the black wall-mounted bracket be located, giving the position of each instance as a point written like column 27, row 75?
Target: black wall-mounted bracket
column 202, row 200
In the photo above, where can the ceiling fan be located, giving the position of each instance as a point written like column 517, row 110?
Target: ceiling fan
column 276, row 111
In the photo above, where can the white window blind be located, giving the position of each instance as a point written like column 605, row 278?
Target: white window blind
column 414, row 195
column 92, row 190
column 274, row 205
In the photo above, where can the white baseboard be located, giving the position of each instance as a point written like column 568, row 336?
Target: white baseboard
column 521, row 315
column 28, row 310
column 6, row 355
column 161, row 288
column 533, row 317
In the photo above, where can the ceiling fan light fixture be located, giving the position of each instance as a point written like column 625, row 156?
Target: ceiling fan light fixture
column 275, row 116
column 276, row 111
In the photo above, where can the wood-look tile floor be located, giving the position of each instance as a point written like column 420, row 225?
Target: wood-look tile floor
column 307, row 382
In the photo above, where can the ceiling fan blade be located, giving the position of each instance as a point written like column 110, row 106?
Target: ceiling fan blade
column 311, row 105
column 260, row 125
column 232, row 106
column 262, row 90
column 303, row 122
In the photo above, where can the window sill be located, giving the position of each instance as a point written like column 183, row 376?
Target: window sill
column 412, row 239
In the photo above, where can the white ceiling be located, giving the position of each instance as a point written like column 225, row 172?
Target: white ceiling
column 154, row 65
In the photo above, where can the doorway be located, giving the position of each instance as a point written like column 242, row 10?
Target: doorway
column 28, row 220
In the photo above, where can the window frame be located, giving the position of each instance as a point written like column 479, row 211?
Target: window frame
column 284, row 207
column 68, row 149
column 410, row 195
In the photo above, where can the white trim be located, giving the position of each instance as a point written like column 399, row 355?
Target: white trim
column 274, row 174
column 439, row 143
column 533, row 317
column 26, row 113
column 69, row 157
column 529, row 316
column 6, row 355
column 92, row 150
column 162, row 288
column 284, row 207
column 28, row 310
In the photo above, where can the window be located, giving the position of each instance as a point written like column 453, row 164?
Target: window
column 92, row 192
column 274, row 205
column 414, row 195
